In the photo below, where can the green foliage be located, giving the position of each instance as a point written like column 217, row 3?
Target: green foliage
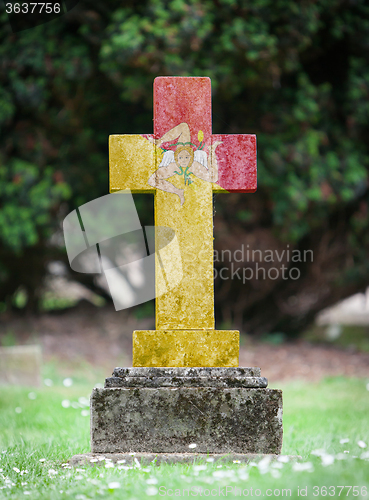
column 263, row 57
column 293, row 73
column 29, row 196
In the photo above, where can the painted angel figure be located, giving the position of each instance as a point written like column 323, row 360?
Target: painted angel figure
column 183, row 161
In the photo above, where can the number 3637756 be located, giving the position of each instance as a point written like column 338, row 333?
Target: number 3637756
column 33, row 8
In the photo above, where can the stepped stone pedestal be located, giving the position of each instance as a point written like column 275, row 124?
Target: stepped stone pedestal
column 164, row 410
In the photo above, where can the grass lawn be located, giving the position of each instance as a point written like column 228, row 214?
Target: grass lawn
column 38, row 435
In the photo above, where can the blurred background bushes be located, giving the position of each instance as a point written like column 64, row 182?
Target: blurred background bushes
column 294, row 73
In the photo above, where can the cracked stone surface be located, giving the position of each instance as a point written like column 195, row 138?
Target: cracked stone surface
column 187, row 372
column 186, row 382
column 169, row 419
column 186, row 377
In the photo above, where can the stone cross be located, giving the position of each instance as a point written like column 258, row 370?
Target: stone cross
column 183, row 164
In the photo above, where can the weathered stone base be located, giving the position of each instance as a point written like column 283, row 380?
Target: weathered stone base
column 217, row 417
column 137, row 459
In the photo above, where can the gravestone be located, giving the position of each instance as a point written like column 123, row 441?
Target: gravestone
column 20, row 365
column 185, row 387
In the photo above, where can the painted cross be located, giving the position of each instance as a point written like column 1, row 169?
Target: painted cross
column 183, row 164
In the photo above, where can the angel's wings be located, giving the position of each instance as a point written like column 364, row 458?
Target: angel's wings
column 201, row 157
column 168, row 158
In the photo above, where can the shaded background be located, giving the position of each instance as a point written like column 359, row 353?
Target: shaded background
column 295, row 74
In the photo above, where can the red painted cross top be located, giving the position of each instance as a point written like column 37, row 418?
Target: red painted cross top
column 188, row 100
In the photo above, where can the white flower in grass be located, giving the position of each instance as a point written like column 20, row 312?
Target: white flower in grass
column 109, row 465
column 16, row 470
column 344, row 440
column 65, row 403
column 24, row 484
column 151, row 491
column 236, row 461
column 275, row 473
column 211, row 459
column 52, row 472
column 85, row 413
column 93, row 460
column 277, row 465
column 121, row 461
column 152, row 480
column 243, row 477
column 199, row 467
column 42, row 460
column 48, row 382
column 284, row 459
column 67, row 382
column 32, row 395
column 192, row 446
column 319, row 452
column 219, row 474
column 307, row 466
column 327, row 460
column 263, row 465
column 113, row 485
column 361, row 444
column 18, row 409
column 84, row 401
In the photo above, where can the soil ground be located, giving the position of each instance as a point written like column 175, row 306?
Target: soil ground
column 103, row 338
